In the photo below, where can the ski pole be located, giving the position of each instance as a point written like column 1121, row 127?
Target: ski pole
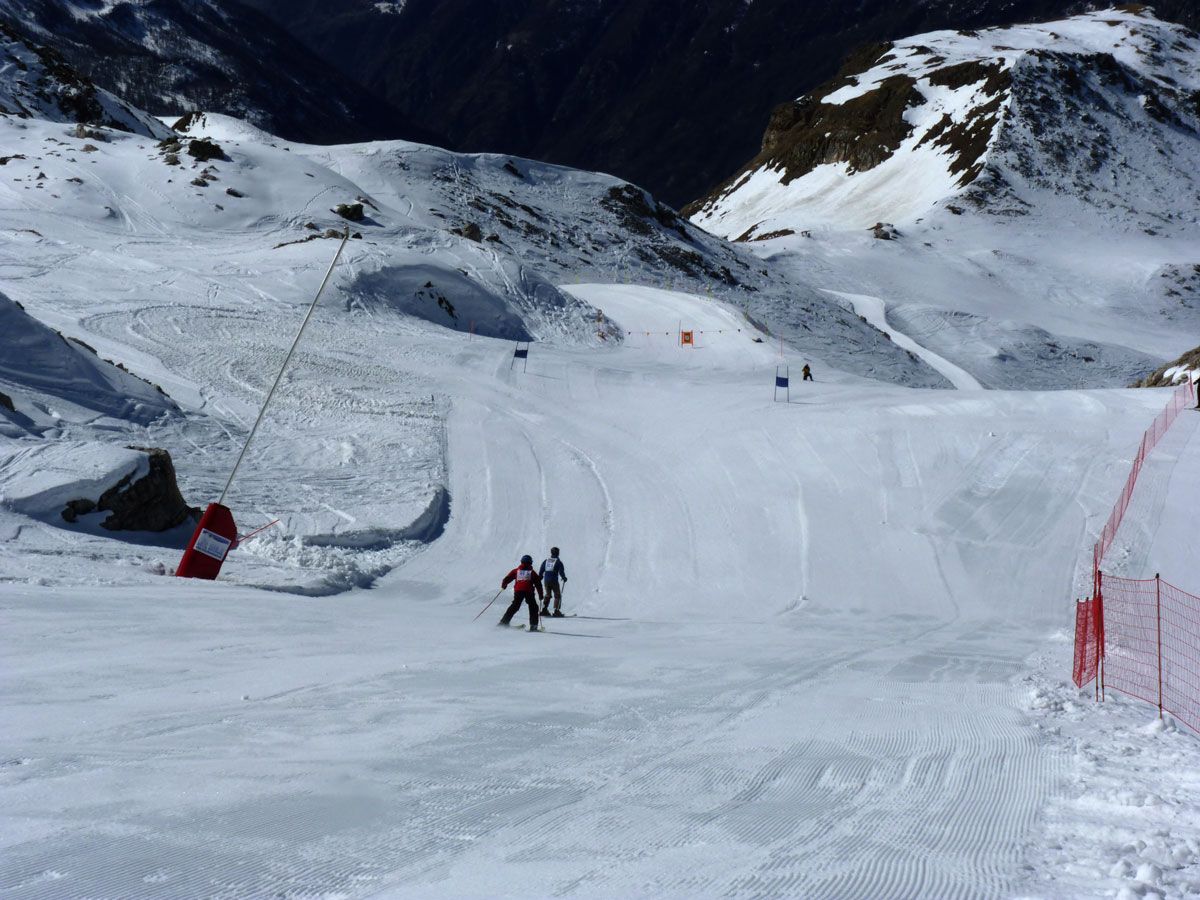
column 489, row 603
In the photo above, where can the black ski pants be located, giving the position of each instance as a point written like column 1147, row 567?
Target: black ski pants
column 527, row 597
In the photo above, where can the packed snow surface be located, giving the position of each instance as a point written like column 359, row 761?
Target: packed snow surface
column 821, row 650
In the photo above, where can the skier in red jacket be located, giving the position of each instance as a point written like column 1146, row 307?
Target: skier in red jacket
column 525, row 582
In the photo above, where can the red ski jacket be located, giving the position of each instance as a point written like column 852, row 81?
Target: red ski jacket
column 523, row 580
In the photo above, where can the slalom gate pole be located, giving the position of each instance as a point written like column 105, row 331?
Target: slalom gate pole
column 283, row 368
column 489, row 603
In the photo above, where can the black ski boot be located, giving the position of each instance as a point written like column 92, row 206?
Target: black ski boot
column 558, row 614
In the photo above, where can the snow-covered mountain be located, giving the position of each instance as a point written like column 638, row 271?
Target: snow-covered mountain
column 1099, row 108
column 670, row 94
column 1040, row 186
column 172, row 56
column 36, row 82
column 485, row 239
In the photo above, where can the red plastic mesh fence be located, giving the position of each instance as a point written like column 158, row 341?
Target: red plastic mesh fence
column 1141, row 637
column 1151, row 644
column 1181, row 654
column 1131, row 637
column 1087, row 642
column 1181, row 398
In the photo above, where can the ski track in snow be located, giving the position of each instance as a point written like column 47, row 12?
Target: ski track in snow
column 829, row 604
column 874, row 311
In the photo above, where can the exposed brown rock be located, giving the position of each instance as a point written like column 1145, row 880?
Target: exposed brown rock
column 186, row 121
column 806, row 133
column 1189, row 360
column 205, row 149
column 152, row 503
column 766, row 236
column 639, row 211
column 471, row 231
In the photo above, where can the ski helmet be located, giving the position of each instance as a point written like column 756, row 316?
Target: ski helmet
column 554, row 551
column 527, row 560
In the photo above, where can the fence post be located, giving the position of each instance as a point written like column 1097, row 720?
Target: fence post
column 1158, row 624
column 1099, row 635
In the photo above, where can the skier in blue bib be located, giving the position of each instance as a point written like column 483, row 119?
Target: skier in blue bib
column 554, row 576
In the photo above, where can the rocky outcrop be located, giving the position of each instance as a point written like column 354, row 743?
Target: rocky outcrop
column 351, row 212
column 39, row 82
column 205, row 149
column 866, row 129
column 149, row 503
column 1175, row 372
column 1099, row 107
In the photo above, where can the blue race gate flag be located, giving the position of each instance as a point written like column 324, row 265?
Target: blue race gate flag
column 781, row 381
column 520, row 353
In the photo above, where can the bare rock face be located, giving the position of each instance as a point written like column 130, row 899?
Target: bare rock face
column 151, row 503
column 862, row 132
column 1175, row 372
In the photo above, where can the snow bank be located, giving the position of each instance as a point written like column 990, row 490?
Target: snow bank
column 39, row 478
column 39, row 366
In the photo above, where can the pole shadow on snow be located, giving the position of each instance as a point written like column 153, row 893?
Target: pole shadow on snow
column 599, row 637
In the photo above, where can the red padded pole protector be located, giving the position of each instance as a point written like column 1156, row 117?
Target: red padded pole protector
column 215, row 536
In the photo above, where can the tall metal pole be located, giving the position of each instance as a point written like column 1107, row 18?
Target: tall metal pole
column 283, row 368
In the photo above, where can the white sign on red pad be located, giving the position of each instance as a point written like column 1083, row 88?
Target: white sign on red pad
column 212, row 544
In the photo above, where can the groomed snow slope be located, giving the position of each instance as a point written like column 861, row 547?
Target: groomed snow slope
column 829, row 657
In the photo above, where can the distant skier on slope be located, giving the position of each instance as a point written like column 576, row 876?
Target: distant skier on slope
column 553, row 575
column 806, row 372
column 524, row 581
